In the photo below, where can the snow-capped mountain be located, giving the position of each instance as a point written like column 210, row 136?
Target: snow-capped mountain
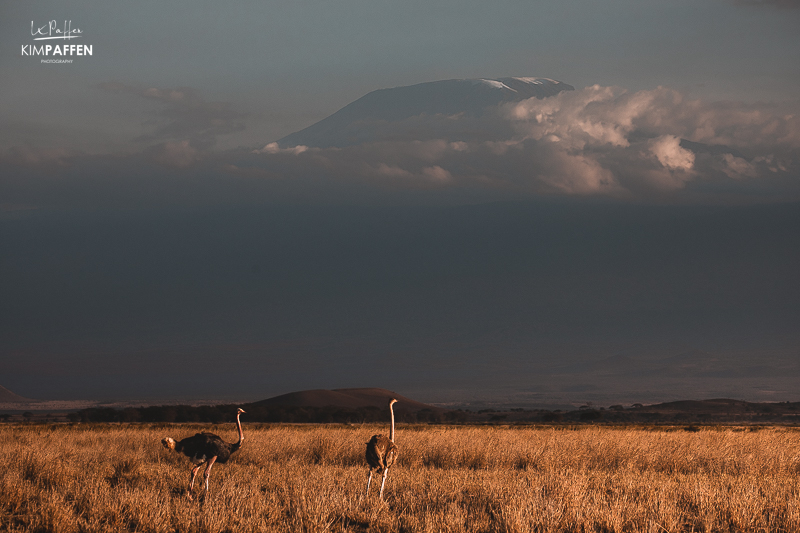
column 438, row 109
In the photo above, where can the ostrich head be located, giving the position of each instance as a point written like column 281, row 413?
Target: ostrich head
column 240, row 411
column 392, row 401
column 168, row 442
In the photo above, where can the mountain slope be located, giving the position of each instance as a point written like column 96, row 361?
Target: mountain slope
column 6, row 396
column 441, row 106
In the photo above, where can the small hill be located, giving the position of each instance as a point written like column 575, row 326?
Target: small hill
column 6, row 396
column 349, row 399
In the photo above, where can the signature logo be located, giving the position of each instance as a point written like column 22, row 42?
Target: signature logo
column 52, row 31
column 55, row 53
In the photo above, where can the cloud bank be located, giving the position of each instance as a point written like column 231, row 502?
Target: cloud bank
column 595, row 141
column 652, row 145
column 184, row 116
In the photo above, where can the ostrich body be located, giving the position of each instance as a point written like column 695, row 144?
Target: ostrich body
column 381, row 453
column 205, row 448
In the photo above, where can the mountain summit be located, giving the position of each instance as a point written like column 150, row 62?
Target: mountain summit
column 437, row 109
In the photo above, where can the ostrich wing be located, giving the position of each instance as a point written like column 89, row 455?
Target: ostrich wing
column 203, row 446
column 381, row 453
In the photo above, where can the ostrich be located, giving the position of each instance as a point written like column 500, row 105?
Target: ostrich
column 205, row 448
column 381, row 453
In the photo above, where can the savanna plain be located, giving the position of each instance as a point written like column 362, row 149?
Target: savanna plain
column 84, row 477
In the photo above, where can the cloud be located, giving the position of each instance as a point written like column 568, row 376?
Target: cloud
column 640, row 139
column 437, row 173
column 392, row 171
column 653, row 145
column 602, row 116
column 669, row 153
column 273, row 148
column 27, row 155
column 595, row 141
column 575, row 174
column 184, row 115
column 176, row 154
column 736, row 167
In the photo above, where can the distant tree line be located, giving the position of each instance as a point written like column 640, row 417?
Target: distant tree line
column 782, row 413
column 260, row 413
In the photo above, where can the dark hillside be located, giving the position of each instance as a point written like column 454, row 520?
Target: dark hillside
column 6, row 396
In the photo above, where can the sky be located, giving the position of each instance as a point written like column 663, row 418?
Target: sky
column 632, row 240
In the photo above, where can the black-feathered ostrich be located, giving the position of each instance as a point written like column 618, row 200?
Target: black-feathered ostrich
column 205, row 448
column 381, row 453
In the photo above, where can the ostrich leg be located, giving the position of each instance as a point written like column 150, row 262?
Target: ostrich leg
column 208, row 471
column 383, row 481
column 191, row 479
column 369, row 479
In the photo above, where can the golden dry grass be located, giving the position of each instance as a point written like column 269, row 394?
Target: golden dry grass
column 482, row 479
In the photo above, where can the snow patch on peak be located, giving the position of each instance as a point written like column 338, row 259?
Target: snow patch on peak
column 496, row 84
column 536, row 81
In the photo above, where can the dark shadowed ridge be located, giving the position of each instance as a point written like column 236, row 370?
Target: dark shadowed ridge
column 365, row 119
column 349, row 399
column 713, row 406
column 6, row 396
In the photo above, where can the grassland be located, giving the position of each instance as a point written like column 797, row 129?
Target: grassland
column 310, row 478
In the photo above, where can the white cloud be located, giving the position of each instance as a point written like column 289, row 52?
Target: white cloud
column 577, row 174
column 737, row 167
column 669, row 153
column 273, row 148
column 572, row 118
column 437, row 173
column 392, row 171
column 597, row 116
column 636, row 139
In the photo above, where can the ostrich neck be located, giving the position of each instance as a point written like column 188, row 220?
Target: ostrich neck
column 391, row 428
column 239, row 426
